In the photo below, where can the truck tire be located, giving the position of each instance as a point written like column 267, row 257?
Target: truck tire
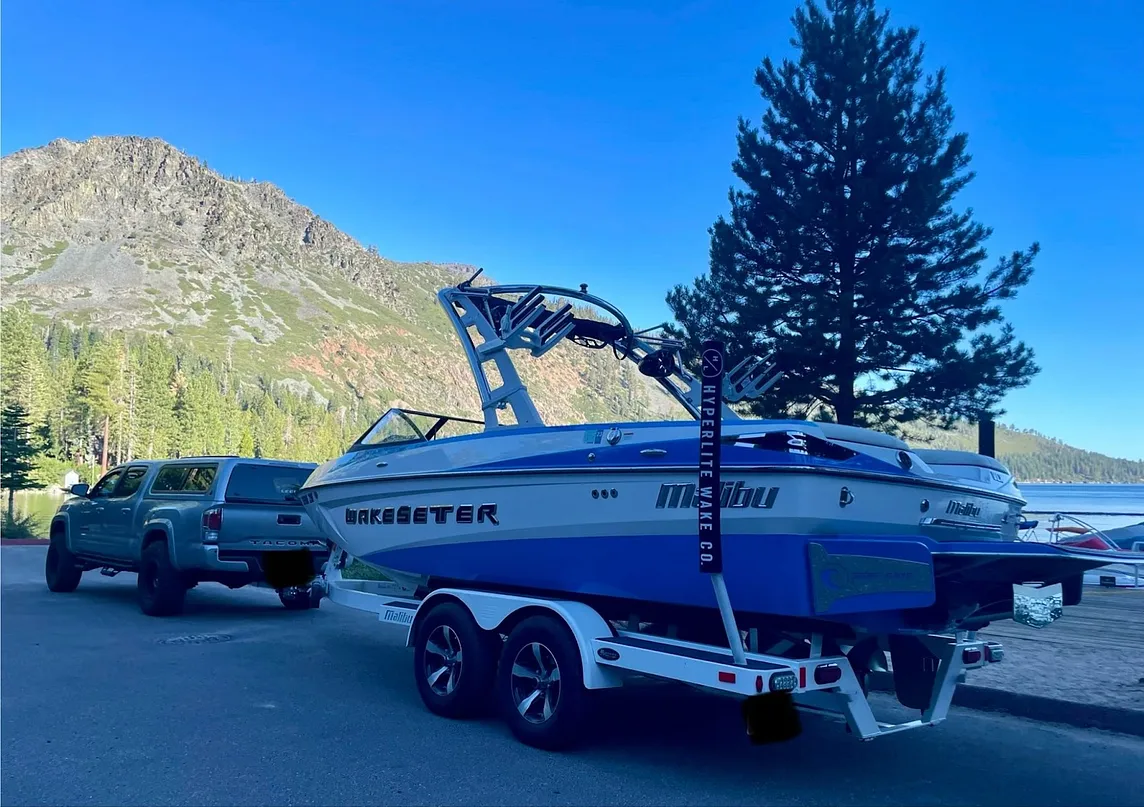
column 454, row 662
column 61, row 571
column 162, row 590
column 540, row 684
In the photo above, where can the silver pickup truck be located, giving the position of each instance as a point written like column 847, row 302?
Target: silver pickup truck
column 178, row 523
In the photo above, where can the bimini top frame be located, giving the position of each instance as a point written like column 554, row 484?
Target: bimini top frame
column 515, row 317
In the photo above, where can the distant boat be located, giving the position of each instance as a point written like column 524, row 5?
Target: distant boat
column 1122, row 539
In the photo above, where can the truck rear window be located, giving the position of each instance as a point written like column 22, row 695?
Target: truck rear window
column 184, row 479
column 265, row 484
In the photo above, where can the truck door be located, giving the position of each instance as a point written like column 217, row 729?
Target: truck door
column 119, row 512
column 86, row 519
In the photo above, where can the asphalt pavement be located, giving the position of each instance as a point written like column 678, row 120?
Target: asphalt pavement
column 239, row 702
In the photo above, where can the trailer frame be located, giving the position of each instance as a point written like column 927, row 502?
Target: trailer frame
column 610, row 655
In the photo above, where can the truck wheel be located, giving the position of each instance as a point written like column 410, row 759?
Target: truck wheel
column 454, row 662
column 295, row 599
column 61, row 572
column 540, row 684
column 162, row 590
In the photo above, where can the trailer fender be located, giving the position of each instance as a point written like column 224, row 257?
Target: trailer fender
column 491, row 611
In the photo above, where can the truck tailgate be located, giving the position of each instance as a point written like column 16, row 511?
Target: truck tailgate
column 266, row 527
column 262, row 512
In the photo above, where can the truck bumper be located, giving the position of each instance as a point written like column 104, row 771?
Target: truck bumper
column 248, row 562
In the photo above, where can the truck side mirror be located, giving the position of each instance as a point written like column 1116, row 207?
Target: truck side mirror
column 80, row 489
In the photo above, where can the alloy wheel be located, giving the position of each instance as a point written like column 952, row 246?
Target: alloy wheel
column 535, row 683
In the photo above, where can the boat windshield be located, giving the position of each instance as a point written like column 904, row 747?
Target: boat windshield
column 404, row 426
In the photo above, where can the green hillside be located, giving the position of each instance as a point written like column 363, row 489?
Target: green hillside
column 1032, row 456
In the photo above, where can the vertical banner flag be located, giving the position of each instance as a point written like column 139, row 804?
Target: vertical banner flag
column 710, row 436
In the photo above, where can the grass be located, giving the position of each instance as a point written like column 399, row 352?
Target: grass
column 25, row 274
column 9, row 249
column 359, row 571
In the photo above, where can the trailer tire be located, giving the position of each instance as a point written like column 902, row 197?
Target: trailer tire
column 453, row 662
column 162, row 590
column 61, row 571
column 545, row 706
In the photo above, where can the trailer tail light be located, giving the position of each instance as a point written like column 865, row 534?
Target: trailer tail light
column 212, row 525
column 827, row 674
column 971, row 655
column 726, row 677
column 994, row 653
column 783, row 681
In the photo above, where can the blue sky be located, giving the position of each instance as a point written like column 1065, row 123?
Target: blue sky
column 591, row 142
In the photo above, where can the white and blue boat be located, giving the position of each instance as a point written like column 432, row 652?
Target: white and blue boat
column 826, row 529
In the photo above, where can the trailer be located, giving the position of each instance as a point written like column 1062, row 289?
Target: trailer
column 538, row 660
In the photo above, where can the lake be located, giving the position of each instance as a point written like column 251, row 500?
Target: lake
column 1125, row 501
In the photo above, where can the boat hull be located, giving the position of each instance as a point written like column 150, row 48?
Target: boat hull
column 850, row 550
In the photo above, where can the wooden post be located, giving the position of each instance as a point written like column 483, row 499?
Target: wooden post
column 987, row 437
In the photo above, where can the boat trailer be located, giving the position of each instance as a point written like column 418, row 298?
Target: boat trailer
column 538, row 659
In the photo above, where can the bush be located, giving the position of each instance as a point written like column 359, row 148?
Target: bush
column 21, row 527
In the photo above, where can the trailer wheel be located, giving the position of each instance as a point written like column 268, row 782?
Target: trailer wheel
column 60, row 570
column 540, row 684
column 453, row 662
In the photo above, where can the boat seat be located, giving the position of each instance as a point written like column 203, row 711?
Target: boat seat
column 942, row 456
column 856, row 434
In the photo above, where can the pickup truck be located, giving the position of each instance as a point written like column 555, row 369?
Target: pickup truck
column 177, row 523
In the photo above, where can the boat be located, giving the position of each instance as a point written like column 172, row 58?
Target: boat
column 1115, row 540
column 826, row 529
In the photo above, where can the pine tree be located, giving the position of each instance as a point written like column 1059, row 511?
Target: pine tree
column 17, row 448
column 844, row 254
column 198, row 411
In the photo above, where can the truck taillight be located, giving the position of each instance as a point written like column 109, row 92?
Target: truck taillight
column 212, row 524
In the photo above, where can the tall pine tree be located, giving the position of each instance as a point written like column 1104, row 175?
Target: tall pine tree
column 17, row 449
column 844, row 253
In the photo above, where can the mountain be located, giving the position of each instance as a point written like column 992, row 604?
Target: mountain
column 149, row 299
column 129, row 233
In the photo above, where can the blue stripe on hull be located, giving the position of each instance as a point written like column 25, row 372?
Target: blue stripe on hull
column 767, row 574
